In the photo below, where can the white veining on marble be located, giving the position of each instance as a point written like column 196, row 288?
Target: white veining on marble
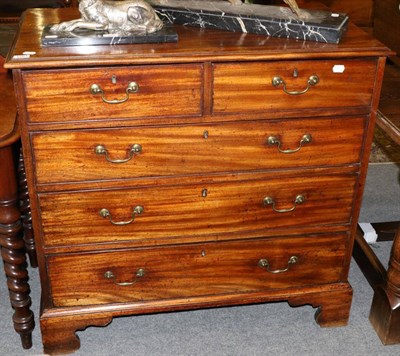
column 241, row 24
column 274, row 21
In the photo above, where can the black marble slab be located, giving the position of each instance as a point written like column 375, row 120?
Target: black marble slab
column 275, row 21
column 81, row 37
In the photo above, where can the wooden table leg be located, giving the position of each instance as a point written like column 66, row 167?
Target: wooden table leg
column 385, row 310
column 13, row 248
column 25, row 208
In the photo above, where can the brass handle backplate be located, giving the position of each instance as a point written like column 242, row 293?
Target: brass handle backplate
column 138, row 274
column 273, row 140
column 134, row 150
column 263, row 263
column 137, row 210
column 313, row 80
column 300, row 199
column 132, row 87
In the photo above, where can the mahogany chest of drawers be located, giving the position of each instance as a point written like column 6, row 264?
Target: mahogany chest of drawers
column 223, row 169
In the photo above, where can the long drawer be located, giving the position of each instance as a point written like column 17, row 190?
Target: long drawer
column 76, row 156
column 188, row 211
column 160, row 91
column 261, row 86
column 195, row 270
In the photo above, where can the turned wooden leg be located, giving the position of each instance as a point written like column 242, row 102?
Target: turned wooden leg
column 333, row 307
column 385, row 309
column 58, row 333
column 13, row 248
column 25, row 208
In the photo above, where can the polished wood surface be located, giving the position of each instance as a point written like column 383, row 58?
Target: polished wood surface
column 11, row 232
column 16, row 234
column 194, row 45
column 203, row 174
column 251, row 82
column 162, row 91
column 162, row 222
column 195, row 270
column 369, row 263
column 9, row 132
column 13, row 248
column 332, row 143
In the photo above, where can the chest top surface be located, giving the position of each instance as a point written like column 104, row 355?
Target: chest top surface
column 194, row 45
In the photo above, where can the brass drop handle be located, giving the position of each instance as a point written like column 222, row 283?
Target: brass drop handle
column 134, row 150
column 263, row 263
column 132, row 87
column 300, row 199
column 313, row 80
column 138, row 274
column 273, row 140
column 137, row 210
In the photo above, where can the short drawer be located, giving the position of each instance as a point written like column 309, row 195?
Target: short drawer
column 162, row 214
column 78, row 156
column 288, row 85
column 67, row 95
column 195, row 270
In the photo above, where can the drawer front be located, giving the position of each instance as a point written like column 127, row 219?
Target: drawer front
column 189, row 212
column 248, row 87
column 70, row 156
column 195, row 270
column 65, row 95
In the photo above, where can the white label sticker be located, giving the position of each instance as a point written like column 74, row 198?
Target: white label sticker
column 21, row 56
column 333, row 14
column 338, row 68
